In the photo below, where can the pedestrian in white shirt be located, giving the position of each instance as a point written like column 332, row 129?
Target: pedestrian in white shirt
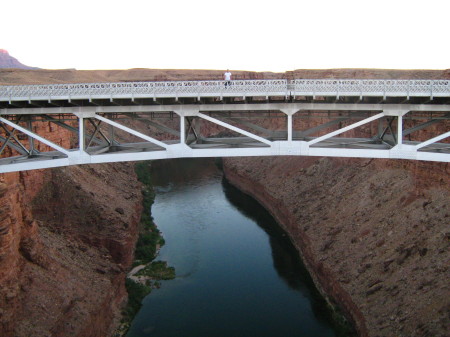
column 227, row 78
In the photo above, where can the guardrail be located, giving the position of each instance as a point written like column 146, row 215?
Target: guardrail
column 392, row 88
column 307, row 87
column 145, row 89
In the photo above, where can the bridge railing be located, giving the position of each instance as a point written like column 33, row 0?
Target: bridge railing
column 355, row 87
column 308, row 87
column 145, row 89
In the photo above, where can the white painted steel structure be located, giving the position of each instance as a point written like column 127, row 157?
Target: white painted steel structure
column 400, row 108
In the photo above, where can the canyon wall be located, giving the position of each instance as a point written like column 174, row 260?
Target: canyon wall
column 67, row 237
column 373, row 233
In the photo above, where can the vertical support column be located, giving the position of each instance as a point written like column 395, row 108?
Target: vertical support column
column 289, row 127
column 182, row 129
column 289, row 113
column 400, row 129
column 81, row 141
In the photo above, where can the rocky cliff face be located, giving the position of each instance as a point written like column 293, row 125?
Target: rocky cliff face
column 7, row 61
column 373, row 233
column 66, row 239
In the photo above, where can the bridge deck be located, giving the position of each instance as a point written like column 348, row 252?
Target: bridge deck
column 193, row 92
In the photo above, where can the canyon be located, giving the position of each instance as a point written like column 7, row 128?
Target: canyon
column 374, row 234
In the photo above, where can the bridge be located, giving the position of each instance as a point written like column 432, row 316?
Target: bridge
column 43, row 126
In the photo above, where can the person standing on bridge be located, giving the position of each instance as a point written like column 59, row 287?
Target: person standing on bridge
column 227, row 78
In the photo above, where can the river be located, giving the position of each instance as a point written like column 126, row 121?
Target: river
column 236, row 272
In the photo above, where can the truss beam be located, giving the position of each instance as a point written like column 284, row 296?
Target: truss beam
column 387, row 142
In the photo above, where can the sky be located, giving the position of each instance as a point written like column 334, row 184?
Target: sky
column 277, row 35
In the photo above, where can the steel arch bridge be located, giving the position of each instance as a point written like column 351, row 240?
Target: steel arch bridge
column 53, row 125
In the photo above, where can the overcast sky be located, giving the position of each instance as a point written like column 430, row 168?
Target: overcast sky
column 258, row 35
